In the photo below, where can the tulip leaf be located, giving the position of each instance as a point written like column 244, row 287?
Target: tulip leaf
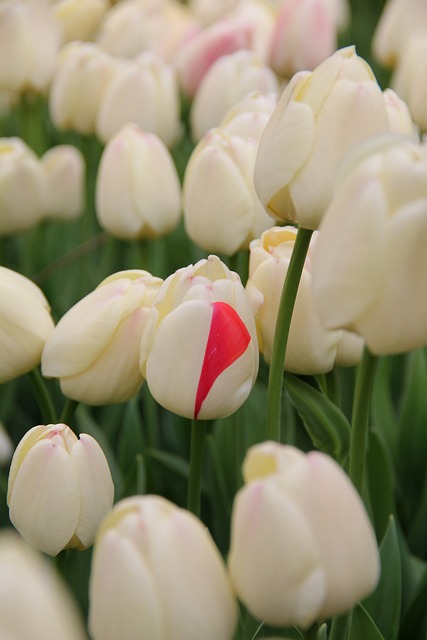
column 380, row 482
column 383, row 408
column 362, row 627
column 322, row 633
column 130, row 440
column 389, row 588
column 177, row 465
column 325, row 423
column 414, row 623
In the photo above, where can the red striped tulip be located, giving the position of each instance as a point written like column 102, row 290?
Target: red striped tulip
column 199, row 351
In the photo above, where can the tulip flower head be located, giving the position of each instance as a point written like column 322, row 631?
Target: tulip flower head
column 302, row 545
column 199, row 347
column 59, row 488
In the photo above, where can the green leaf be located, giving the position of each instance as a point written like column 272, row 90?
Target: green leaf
column 389, row 589
column 380, row 482
column 362, row 627
column 130, row 440
column 322, row 632
column 325, row 423
column 383, row 408
column 414, row 623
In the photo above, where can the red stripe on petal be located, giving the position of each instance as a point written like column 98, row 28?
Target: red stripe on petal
column 227, row 341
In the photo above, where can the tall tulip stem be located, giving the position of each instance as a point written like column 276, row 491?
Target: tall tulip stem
column 340, row 627
column 360, row 419
column 198, row 432
column 284, row 317
column 43, row 397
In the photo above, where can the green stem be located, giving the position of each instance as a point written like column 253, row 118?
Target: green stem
column 284, row 317
column 311, row 634
column 252, row 627
column 198, row 431
column 43, row 397
column 360, row 419
column 68, row 411
column 340, row 627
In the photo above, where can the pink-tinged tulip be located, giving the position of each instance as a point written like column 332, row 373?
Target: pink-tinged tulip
column 248, row 117
column 144, row 92
column 399, row 20
column 228, row 80
column 94, row 349
column 199, row 352
column 138, row 194
column 79, row 19
column 305, row 34
column 399, row 116
column 222, row 211
column 83, row 72
column 312, row 348
column 64, row 172
column 409, row 78
column 302, row 546
column 22, row 187
column 59, row 489
column 320, row 115
column 373, row 280
column 29, row 41
column 25, row 324
column 157, row 575
column 207, row 11
column 34, row 602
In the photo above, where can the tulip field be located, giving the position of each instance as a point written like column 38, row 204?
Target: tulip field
column 213, row 320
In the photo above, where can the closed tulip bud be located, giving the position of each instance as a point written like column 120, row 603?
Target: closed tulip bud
column 312, row 348
column 145, row 92
column 29, row 41
column 373, row 279
column 34, row 603
column 223, row 219
column 399, row 116
column 302, row 546
column 64, row 171
column 6, row 446
column 79, row 19
column 199, row 351
column 208, row 11
column 409, row 76
column 399, row 20
column 59, row 488
column 82, row 74
column 320, row 115
column 228, row 80
column 156, row 574
column 138, row 194
column 305, row 34
column 248, row 117
column 94, row 349
column 22, row 187
column 25, row 324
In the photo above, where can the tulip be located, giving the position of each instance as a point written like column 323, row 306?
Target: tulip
column 248, row 117
column 409, row 76
column 302, row 546
column 312, row 348
column 373, row 279
column 94, row 349
column 145, row 92
column 305, row 34
column 34, row 602
column 138, row 194
column 199, row 350
column 222, row 211
column 320, row 115
column 22, row 187
column 228, row 80
column 79, row 19
column 59, row 488
column 6, row 446
column 64, row 170
column 82, row 74
column 208, row 11
column 29, row 41
column 399, row 20
column 156, row 574
column 25, row 324
column 399, row 116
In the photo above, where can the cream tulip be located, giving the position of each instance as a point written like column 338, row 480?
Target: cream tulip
column 399, row 116
column 34, row 603
column 228, row 80
column 199, row 351
column 312, row 348
column 138, row 194
column 302, row 546
column 222, row 211
column 373, row 280
column 156, row 574
column 248, row 117
column 79, row 19
column 409, row 78
column 145, row 92
column 64, row 173
column 59, row 488
column 94, row 349
column 320, row 115
column 25, row 324
column 398, row 21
